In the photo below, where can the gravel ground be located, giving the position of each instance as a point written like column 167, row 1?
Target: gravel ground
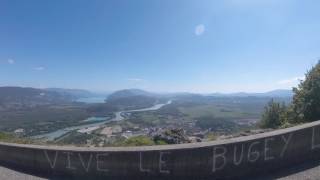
column 307, row 171
column 8, row 174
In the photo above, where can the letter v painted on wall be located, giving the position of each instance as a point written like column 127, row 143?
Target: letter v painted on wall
column 86, row 166
column 53, row 161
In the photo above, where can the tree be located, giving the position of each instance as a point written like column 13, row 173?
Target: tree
column 306, row 100
column 274, row 115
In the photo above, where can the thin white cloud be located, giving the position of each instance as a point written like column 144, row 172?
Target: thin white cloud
column 291, row 81
column 137, row 83
column 40, row 68
column 11, row 61
column 135, row 79
column 254, row 3
column 199, row 29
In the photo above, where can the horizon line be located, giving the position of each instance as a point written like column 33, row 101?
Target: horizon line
column 152, row 91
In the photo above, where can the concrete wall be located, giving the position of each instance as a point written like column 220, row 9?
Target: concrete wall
column 237, row 157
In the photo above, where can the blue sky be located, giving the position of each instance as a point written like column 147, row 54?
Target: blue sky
column 158, row 45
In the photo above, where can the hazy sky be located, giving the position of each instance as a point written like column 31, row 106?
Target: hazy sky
column 158, row 45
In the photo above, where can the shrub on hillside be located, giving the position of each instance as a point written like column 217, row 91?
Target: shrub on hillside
column 306, row 100
column 305, row 105
column 138, row 141
column 274, row 115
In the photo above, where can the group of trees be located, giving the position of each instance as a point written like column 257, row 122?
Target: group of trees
column 305, row 106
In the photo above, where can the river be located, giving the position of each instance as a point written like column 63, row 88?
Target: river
column 98, row 121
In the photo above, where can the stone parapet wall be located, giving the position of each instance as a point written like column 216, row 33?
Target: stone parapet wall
column 238, row 157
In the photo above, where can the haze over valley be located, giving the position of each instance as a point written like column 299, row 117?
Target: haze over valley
column 80, row 117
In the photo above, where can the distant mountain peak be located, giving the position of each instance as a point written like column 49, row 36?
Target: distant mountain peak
column 129, row 93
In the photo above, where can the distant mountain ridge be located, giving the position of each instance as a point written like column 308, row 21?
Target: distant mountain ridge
column 140, row 98
column 26, row 95
column 60, row 94
column 274, row 93
column 75, row 93
column 139, row 92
